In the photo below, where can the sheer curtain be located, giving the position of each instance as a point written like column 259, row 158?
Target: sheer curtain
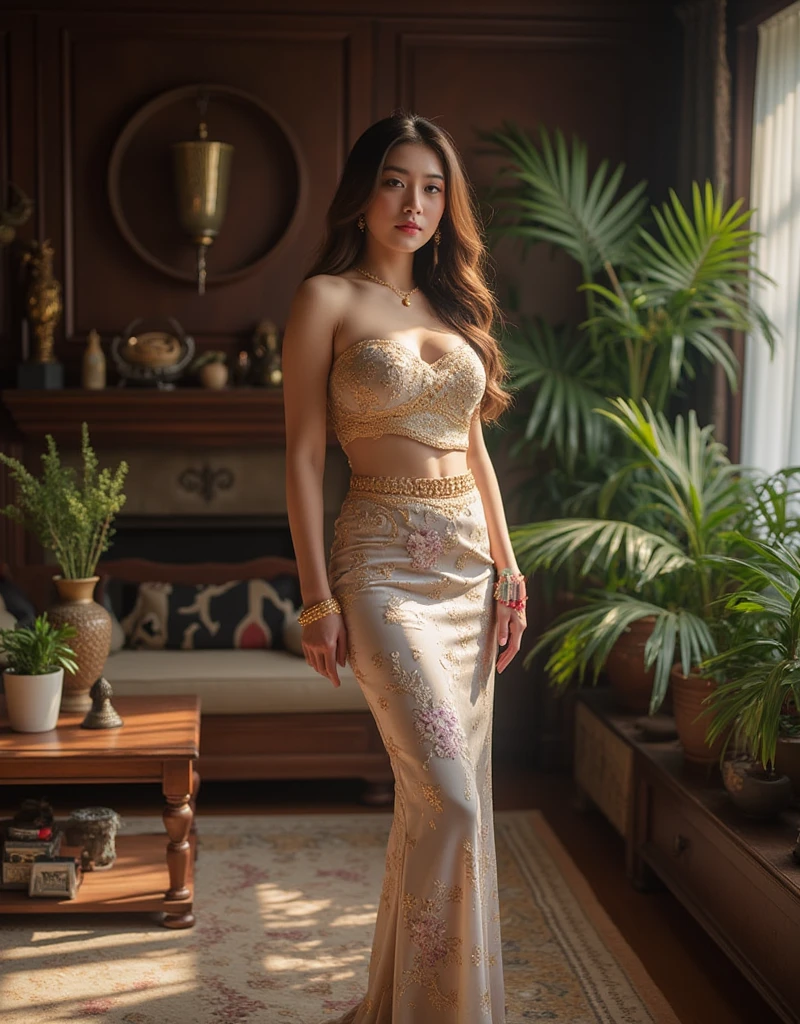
column 771, row 388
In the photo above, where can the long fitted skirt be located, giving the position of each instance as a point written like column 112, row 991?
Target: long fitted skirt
column 411, row 567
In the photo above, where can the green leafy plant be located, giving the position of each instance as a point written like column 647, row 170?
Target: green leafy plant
column 71, row 515
column 659, row 295
column 38, row 649
column 760, row 671
column 687, row 503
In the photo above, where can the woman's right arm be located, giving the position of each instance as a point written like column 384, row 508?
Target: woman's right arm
column 307, row 353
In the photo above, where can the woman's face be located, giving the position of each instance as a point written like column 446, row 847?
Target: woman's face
column 410, row 199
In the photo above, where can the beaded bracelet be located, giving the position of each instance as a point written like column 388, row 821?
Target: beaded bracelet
column 318, row 611
column 508, row 589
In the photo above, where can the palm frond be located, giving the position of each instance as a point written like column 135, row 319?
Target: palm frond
column 583, row 639
column 567, row 383
column 545, row 196
column 644, row 554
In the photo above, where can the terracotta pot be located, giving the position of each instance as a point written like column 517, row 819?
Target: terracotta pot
column 755, row 794
column 77, row 607
column 688, row 694
column 214, row 375
column 631, row 685
column 787, row 760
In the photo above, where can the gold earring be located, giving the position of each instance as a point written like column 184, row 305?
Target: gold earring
column 437, row 237
column 362, row 223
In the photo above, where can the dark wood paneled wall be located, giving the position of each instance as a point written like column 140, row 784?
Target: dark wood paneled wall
column 73, row 78
column 74, row 74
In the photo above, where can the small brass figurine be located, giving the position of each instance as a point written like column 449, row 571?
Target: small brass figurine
column 267, row 355
column 43, row 299
column 102, row 714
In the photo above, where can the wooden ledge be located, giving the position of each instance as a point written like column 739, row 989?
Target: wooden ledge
column 151, row 418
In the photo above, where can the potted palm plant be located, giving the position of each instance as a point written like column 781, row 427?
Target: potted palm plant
column 685, row 504
column 761, row 676
column 71, row 515
column 37, row 657
column 660, row 294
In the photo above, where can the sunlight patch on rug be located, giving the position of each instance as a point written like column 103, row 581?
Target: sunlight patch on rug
column 285, row 909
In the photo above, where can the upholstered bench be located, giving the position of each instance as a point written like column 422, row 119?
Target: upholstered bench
column 266, row 714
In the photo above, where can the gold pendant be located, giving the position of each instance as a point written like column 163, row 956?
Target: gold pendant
column 407, row 300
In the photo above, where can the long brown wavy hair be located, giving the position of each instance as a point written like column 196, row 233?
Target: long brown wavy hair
column 456, row 288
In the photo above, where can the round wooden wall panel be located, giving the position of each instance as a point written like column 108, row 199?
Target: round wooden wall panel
column 266, row 182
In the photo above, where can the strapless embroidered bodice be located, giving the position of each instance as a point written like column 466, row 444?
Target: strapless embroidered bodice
column 380, row 386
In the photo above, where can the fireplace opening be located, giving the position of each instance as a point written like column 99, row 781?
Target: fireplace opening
column 187, row 539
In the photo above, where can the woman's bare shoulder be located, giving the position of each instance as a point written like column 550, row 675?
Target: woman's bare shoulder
column 326, row 288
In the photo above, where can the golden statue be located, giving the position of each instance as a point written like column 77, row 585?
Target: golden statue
column 43, row 299
column 266, row 351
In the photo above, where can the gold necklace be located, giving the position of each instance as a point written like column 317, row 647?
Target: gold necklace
column 405, row 296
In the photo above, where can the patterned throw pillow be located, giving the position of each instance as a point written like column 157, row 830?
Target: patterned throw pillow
column 7, row 621
column 181, row 616
column 117, row 632
column 293, row 634
column 17, row 603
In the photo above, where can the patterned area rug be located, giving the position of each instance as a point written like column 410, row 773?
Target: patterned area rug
column 285, row 910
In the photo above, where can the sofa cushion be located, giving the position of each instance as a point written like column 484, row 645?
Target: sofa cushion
column 293, row 633
column 234, row 682
column 16, row 602
column 7, row 621
column 230, row 615
column 117, row 632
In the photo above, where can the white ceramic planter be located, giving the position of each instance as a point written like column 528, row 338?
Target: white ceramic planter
column 33, row 702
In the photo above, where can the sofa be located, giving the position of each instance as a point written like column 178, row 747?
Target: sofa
column 266, row 714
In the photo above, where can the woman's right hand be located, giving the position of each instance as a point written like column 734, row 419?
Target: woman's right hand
column 325, row 645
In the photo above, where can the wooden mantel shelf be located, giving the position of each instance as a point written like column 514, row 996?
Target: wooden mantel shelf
column 144, row 417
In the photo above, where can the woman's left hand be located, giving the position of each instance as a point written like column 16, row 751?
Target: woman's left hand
column 510, row 627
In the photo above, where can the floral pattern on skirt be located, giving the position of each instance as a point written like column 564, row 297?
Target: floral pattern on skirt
column 414, row 576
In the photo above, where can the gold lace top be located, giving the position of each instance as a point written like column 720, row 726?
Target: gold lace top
column 380, row 386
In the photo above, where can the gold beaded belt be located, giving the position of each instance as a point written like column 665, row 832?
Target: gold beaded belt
column 415, row 486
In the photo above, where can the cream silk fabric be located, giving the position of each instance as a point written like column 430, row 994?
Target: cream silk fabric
column 380, row 386
column 411, row 567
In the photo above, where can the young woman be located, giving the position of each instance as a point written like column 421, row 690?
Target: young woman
column 390, row 334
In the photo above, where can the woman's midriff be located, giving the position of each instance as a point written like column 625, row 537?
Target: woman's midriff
column 392, row 455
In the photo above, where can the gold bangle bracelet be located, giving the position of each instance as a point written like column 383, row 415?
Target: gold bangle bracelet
column 329, row 606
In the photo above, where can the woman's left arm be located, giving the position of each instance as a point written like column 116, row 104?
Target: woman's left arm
column 510, row 623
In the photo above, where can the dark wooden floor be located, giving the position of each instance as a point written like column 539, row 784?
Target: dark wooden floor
column 697, row 979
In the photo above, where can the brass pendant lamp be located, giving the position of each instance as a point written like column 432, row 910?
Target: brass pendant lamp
column 202, row 176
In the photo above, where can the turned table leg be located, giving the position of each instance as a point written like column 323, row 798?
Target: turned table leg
column 178, row 816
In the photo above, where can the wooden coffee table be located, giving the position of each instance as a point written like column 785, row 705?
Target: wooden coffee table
column 159, row 742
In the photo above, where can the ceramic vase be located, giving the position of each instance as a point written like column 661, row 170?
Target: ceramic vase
column 33, row 702
column 93, row 366
column 214, row 376
column 76, row 606
column 94, row 830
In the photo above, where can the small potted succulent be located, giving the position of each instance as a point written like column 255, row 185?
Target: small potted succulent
column 36, row 658
column 211, row 368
